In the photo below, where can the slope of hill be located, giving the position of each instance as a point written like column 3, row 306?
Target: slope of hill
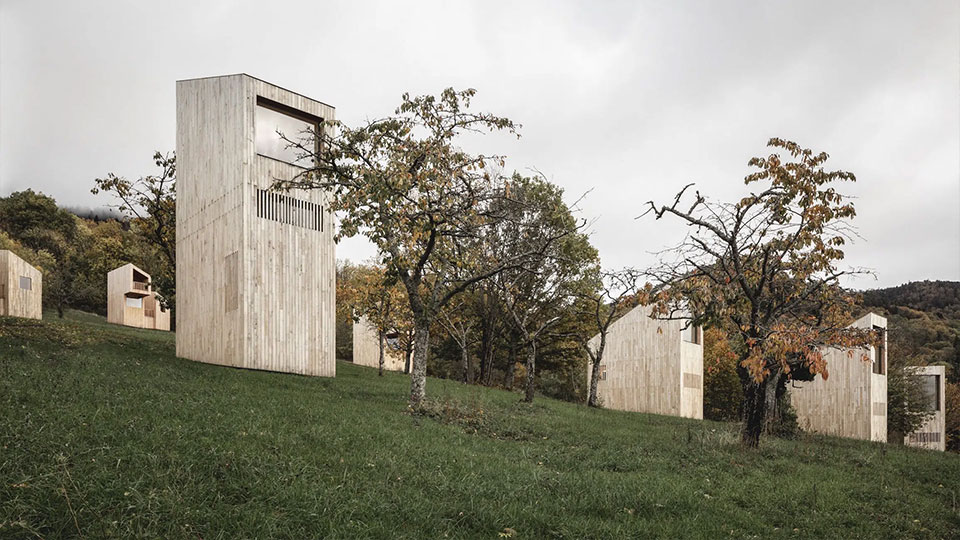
column 104, row 433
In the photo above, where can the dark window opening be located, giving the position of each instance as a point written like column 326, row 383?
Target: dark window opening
column 931, row 391
column 880, row 360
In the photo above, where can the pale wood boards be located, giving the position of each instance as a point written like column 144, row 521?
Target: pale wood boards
column 852, row 401
column 121, row 284
column 649, row 368
column 366, row 348
column 932, row 434
column 21, row 287
column 253, row 291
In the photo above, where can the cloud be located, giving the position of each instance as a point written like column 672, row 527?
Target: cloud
column 632, row 100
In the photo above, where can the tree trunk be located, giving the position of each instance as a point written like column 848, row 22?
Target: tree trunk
column 464, row 364
column 592, row 400
column 754, row 405
column 771, row 407
column 408, row 353
column 597, row 358
column 421, row 346
column 383, row 338
column 531, row 371
column 486, row 347
column 511, row 367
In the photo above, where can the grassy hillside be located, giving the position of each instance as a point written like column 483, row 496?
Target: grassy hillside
column 104, row 433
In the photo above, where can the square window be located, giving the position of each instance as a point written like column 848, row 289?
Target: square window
column 26, row 283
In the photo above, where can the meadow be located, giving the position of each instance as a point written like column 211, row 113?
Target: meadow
column 104, row 433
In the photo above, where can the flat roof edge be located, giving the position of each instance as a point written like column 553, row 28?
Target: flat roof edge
column 261, row 80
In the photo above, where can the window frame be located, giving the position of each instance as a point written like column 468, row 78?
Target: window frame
column 315, row 121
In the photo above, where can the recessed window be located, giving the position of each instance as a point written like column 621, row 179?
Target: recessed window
column 931, row 391
column 274, row 122
column 135, row 302
column 26, row 283
column 881, row 351
column 691, row 334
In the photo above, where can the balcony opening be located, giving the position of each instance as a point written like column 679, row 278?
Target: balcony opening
column 140, row 281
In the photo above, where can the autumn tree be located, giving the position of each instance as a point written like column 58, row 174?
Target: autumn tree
column 767, row 265
column 150, row 203
column 607, row 296
column 721, row 385
column 457, row 319
column 405, row 183
column 535, row 294
column 378, row 297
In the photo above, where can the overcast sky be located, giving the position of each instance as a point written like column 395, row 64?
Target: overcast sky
column 630, row 99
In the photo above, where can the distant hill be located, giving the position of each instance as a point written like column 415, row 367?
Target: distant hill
column 924, row 320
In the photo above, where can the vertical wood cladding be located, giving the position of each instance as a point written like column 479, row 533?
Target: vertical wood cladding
column 852, row 401
column 366, row 348
column 21, row 287
column 255, row 268
column 650, row 368
column 130, row 282
column 932, row 434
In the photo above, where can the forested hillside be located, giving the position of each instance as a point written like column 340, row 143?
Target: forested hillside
column 924, row 320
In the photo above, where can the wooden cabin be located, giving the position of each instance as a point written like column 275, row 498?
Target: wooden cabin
column 932, row 435
column 21, row 287
column 652, row 366
column 255, row 267
column 366, row 347
column 132, row 301
column 852, row 401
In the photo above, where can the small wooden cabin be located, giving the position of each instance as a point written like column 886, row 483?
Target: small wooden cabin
column 132, row 301
column 852, row 401
column 255, row 266
column 21, row 287
column 932, row 434
column 366, row 347
column 651, row 365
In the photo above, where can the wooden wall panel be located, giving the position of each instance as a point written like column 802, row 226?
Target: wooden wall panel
column 646, row 363
column 16, row 301
column 366, row 348
column 932, row 434
column 852, row 401
column 273, row 308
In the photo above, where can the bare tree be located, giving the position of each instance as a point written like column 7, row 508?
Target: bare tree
column 611, row 295
column 768, row 265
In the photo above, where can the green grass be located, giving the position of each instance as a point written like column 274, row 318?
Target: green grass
column 104, row 433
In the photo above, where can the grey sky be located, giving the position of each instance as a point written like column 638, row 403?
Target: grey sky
column 630, row 99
